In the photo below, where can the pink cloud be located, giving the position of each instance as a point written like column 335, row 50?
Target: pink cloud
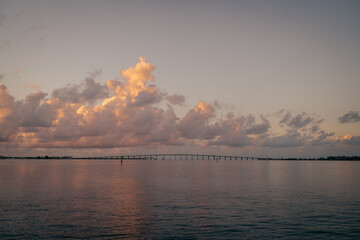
column 128, row 112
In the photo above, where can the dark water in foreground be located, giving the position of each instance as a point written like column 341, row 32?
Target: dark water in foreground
column 89, row 199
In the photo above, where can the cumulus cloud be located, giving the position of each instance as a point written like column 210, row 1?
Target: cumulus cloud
column 145, row 97
column 5, row 97
column 23, row 116
column 176, row 99
column 290, row 139
column 88, row 91
column 232, row 132
column 128, row 111
column 73, row 117
column 6, row 109
column 33, row 112
column 196, row 122
column 349, row 140
column 321, row 139
column 351, row 116
column 252, row 128
column 300, row 130
column 297, row 121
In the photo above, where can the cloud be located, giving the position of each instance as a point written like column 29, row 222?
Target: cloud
column 95, row 73
column 72, row 117
column 321, row 139
column 23, row 116
column 70, row 93
column 34, row 112
column 93, row 91
column 351, row 116
column 145, row 97
column 260, row 128
column 33, row 86
column 301, row 129
column 195, row 122
column 6, row 109
column 6, row 100
column 176, row 99
column 285, row 118
column 290, row 139
column 297, row 121
column 353, row 140
column 129, row 111
column 315, row 129
column 88, row 91
column 232, row 132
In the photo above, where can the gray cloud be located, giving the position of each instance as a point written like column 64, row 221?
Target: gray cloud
column 260, row 128
column 290, row 139
column 298, row 121
column 349, row 140
column 136, row 121
column 285, row 119
column 231, row 132
column 354, row 140
column 193, row 125
column 35, row 113
column 28, row 115
column 7, row 102
column 164, row 128
column 351, row 116
column 145, row 97
column 176, row 99
column 70, row 93
column 131, row 115
column 315, row 129
column 93, row 91
column 88, row 91
column 302, row 129
column 95, row 73
column 233, row 140
column 321, row 139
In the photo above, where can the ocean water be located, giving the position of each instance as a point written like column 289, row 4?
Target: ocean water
column 179, row 199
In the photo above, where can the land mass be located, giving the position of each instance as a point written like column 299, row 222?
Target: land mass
column 137, row 157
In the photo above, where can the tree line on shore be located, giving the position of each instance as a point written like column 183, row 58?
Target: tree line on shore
column 330, row 158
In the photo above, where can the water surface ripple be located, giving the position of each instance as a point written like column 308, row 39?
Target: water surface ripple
column 187, row 199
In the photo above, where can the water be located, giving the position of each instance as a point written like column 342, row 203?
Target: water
column 166, row 199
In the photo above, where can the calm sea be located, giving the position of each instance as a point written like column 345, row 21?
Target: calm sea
column 184, row 199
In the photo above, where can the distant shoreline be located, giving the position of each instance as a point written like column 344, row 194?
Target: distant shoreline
column 141, row 157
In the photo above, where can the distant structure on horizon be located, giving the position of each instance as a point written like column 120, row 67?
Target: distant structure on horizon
column 181, row 156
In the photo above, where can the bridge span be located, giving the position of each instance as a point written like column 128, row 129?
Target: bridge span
column 178, row 156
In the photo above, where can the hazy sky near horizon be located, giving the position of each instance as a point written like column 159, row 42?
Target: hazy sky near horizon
column 292, row 65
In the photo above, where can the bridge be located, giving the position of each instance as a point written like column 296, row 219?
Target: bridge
column 178, row 156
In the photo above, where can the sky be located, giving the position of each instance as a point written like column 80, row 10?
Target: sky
column 246, row 78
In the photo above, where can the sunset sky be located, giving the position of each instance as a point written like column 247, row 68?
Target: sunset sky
column 248, row 78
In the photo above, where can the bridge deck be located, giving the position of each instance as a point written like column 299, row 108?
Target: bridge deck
column 174, row 156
